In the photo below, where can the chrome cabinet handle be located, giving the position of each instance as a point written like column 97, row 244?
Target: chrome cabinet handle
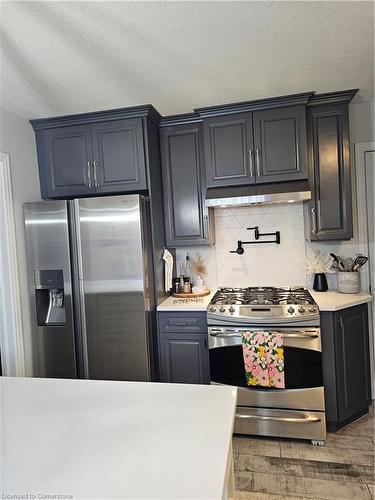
column 205, row 227
column 95, row 165
column 181, row 323
column 341, row 323
column 313, row 216
column 251, row 165
column 257, row 154
column 89, row 180
column 302, row 420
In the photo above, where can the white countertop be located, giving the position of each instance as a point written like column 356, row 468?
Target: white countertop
column 335, row 301
column 194, row 304
column 332, row 300
column 104, row 439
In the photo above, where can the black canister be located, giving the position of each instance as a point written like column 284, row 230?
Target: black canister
column 320, row 282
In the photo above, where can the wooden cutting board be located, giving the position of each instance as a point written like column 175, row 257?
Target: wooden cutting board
column 191, row 295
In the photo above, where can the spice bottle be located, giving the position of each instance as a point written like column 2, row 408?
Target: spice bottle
column 187, row 285
column 176, row 285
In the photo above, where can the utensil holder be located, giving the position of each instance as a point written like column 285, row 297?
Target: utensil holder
column 320, row 282
column 348, row 282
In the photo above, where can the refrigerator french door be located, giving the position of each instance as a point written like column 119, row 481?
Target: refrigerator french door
column 91, row 287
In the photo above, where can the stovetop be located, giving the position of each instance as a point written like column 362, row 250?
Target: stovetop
column 263, row 305
column 263, row 296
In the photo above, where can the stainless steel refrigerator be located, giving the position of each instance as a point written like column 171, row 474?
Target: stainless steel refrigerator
column 91, row 286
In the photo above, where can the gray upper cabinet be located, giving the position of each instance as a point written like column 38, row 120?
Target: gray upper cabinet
column 330, row 209
column 118, row 153
column 228, row 145
column 187, row 220
column 260, row 147
column 256, row 142
column 64, row 156
column 105, row 152
column 280, row 144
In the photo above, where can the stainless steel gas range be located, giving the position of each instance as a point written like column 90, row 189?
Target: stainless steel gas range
column 298, row 410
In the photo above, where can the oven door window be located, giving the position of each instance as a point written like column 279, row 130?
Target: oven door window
column 303, row 367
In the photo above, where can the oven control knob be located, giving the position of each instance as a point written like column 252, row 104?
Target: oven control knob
column 222, row 309
column 212, row 309
column 290, row 310
column 313, row 309
column 301, row 309
column 231, row 309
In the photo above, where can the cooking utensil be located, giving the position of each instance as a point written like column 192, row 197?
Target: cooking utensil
column 359, row 262
column 338, row 262
column 349, row 262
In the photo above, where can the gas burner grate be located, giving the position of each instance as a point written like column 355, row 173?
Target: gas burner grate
column 262, row 296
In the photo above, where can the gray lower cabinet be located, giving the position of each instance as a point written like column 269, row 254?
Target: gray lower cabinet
column 91, row 157
column 184, row 352
column 346, row 365
column 261, row 147
column 187, row 220
column 329, row 214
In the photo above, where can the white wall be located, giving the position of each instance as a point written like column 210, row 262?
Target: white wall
column 17, row 139
column 260, row 264
column 277, row 264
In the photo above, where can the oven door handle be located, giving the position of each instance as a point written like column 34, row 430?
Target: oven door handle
column 300, row 420
column 300, row 335
column 294, row 335
column 225, row 335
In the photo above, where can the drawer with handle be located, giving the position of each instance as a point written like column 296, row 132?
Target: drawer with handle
column 182, row 322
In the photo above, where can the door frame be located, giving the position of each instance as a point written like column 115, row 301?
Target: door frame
column 11, row 329
column 360, row 149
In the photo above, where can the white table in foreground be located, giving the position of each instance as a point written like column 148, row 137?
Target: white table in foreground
column 103, row 439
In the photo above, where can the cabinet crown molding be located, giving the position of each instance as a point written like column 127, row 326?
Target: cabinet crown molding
column 182, row 119
column 341, row 96
column 259, row 104
column 146, row 110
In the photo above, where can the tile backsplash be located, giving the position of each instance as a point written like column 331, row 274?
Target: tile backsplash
column 261, row 264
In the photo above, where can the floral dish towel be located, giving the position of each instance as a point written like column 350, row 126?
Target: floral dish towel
column 263, row 354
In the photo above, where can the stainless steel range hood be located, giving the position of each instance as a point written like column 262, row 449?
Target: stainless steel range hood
column 258, row 195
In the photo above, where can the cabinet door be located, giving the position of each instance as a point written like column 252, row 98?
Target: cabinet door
column 280, row 144
column 64, row 154
column 119, row 154
column 331, row 203
column 184, row 358
column 186, row 216
column 352, row 362
column 228, row 146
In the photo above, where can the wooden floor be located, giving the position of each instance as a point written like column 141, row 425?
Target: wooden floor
column 275, row 469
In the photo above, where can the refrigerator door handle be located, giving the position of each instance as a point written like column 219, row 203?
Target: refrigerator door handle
column 81, row 290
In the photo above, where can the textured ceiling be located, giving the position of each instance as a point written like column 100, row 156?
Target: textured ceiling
column 69, row 57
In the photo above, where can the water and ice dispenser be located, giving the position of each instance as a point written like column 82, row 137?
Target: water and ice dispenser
column 49, row 297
